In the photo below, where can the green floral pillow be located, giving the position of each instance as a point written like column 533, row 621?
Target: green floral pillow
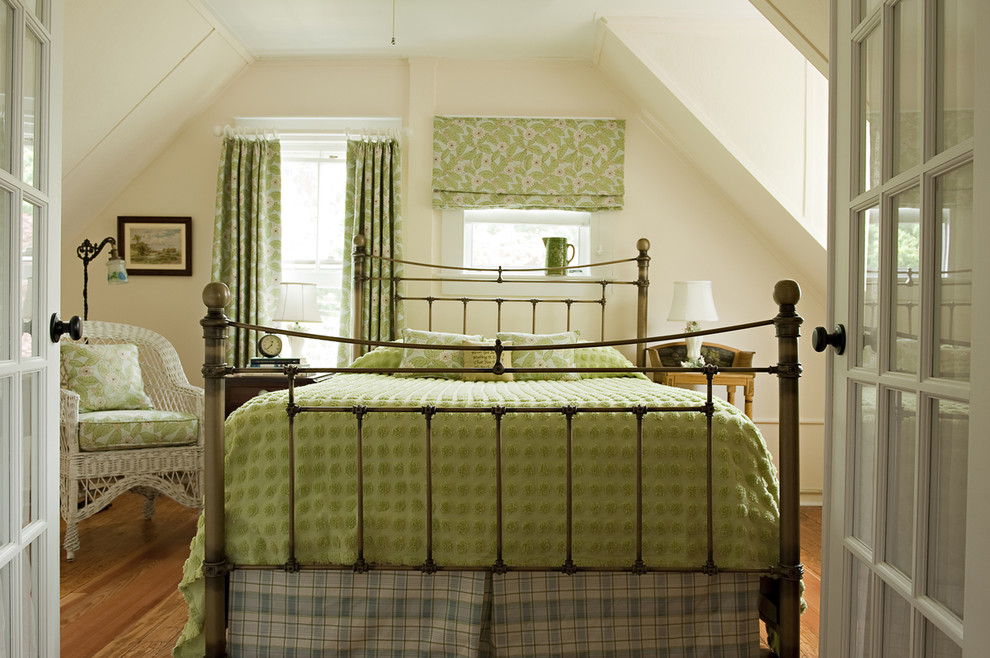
column 106, row 377
column 542, row 358
column 416, row 357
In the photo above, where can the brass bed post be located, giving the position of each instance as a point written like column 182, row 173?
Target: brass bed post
column 215, row 566
column 790, row 571
column 357, row 293
column 642, row 308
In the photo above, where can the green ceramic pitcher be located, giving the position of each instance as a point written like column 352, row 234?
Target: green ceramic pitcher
column 557, row 255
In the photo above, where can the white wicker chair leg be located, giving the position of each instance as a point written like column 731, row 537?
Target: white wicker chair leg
column 149, row 505
column 71, row 540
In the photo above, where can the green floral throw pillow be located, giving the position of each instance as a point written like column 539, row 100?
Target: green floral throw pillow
column 417, row 357
column 542, row 358
column 106, row 377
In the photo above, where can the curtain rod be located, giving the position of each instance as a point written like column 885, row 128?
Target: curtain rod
column 361, row 134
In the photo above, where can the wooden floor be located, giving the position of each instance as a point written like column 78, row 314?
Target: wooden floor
column 119, row 595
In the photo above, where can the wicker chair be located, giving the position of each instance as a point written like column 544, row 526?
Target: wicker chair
column 92, row 476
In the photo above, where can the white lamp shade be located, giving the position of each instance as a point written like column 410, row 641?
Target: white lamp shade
column 693, row 302
column 297, row 303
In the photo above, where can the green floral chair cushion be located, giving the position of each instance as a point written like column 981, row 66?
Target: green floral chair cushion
column 541, row 358
column 142, row 428
column 106, row 377
column 415, row 357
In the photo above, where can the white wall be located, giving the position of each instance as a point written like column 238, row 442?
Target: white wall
column 695, row 229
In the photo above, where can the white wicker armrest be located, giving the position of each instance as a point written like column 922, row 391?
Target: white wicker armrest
column 69, row 421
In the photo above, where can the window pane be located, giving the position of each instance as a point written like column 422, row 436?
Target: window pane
column 6, row 618
column 908, row 84
column 862, row 467
column 896, row 625
column 333, row 179
column 869, row 286
column 871, row 124
column 906, row 312
column 954, row 286
column 901, row 441
column 33, row 102
column 954, row 72
column 300, row 211
column 947, row 510
column 29, row 290
column 938, row 644
column 6, row 91
column 514, row 238
column 860, row 611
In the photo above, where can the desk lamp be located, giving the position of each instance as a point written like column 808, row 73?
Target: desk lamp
column 693, row 303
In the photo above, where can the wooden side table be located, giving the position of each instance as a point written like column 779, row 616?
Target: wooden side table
column 242, row 387
column 670, row 355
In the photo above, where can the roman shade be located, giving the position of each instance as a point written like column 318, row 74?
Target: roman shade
column 498, row 162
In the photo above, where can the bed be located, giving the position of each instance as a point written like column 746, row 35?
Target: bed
column 508, row 494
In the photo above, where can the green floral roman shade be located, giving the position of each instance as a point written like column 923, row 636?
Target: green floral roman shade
column 568, row 164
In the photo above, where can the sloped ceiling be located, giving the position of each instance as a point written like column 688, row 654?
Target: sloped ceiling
column 137, row 70
column 134, row 73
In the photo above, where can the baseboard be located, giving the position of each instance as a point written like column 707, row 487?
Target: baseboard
column 811, row 498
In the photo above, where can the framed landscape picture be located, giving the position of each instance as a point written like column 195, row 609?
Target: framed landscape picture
column 155, row 245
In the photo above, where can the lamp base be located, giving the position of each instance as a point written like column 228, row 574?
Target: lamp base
column 693, row 345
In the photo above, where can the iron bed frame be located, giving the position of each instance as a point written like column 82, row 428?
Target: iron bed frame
column 781, row 583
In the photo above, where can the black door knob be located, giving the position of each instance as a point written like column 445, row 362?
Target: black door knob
column 820, row 339
column 73, row 327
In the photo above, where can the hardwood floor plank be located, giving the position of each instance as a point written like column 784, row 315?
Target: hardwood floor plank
column 119, row 597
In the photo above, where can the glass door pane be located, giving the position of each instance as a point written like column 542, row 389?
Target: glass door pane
column 896, row 639
column 909, row 51
column 31, row 392
column 864, row 439
column 6, row 88
column 29, row 277
column 902, row 424
column 860, row 619
column 6, row 405
column 954, row 72
column 905, row 314
column 938, row 644
column 868, row 222
column 33, row 101
column 947, row 511
column 871, row 108
column 954, row 286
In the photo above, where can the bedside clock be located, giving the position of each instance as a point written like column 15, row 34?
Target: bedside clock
column 270, row 345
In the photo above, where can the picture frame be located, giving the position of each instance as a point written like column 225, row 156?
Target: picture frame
column 160, row 246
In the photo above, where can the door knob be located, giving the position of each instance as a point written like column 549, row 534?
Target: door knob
column 820, row 339
column 73, row 327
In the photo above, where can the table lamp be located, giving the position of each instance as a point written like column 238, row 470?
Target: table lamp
column 297, row 303
column 693, row 303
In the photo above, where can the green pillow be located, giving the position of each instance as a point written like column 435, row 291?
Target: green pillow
column 106, row 377
column 603, row 357
column 486, row 359
column 541, row 358
column 415, row 357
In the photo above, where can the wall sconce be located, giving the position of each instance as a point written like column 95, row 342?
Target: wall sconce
column 693, row 303
column 116, row 272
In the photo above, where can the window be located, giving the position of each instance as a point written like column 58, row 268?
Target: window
column 514, row 238
column 313, row 187
column 314, row 178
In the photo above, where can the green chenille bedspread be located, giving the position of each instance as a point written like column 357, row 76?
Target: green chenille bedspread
column 464, row 484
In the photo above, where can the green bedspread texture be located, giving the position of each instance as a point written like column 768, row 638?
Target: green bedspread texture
column 463, row 461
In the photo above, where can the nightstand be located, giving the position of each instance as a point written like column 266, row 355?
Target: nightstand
column 670, row 355
column 242, row 387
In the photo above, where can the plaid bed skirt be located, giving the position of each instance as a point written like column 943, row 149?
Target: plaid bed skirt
column 480, row 615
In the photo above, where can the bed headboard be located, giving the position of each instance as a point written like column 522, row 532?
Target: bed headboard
column 480, row 280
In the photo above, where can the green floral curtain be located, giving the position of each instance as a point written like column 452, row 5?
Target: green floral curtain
column 247, row 235
column 371, row 208
column 569, row 164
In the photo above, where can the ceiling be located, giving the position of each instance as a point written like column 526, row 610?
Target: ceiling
column 465, row 29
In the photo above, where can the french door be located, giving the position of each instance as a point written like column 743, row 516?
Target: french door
column 30, row 171
column 906, row 500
